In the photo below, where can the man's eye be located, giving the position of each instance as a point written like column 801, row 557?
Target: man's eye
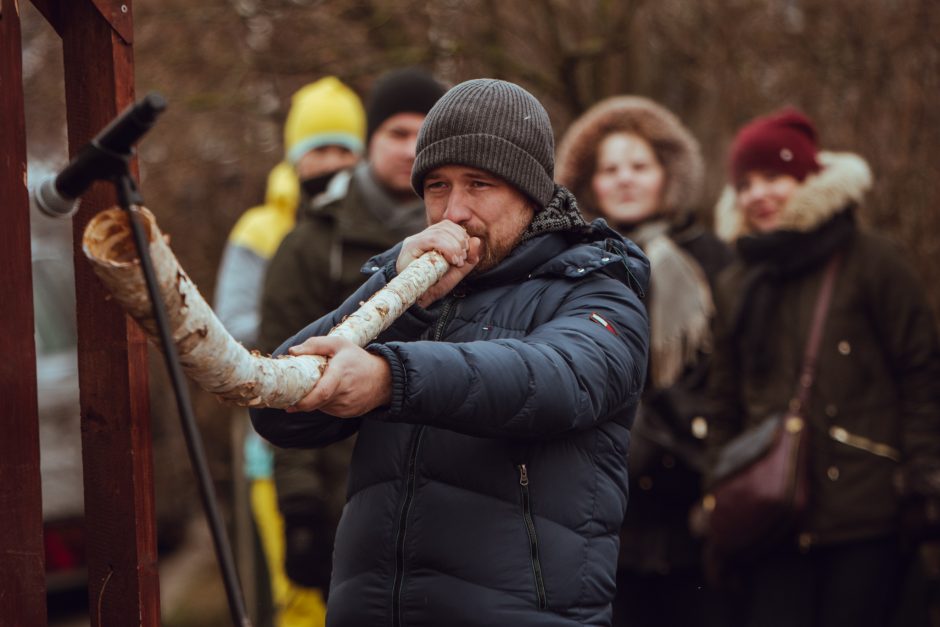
column 481, row 184
column 433, row 185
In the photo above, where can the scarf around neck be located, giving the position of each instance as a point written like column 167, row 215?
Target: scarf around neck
column 680, row 304
column 400, row 217
column 561, row 214
column 774, row 259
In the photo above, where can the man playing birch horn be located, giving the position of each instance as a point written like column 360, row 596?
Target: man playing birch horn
column 489, row 479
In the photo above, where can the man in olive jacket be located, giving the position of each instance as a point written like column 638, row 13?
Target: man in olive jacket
column 362, row 212
column 489, row 478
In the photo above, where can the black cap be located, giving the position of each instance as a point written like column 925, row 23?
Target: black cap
column 408, row 90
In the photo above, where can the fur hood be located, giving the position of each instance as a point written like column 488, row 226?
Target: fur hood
column 675, row 147
column 844, row 179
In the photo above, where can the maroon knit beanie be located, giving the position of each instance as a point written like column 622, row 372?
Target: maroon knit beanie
column 783, row 141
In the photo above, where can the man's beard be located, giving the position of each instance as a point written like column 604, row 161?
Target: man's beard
column 495, row 249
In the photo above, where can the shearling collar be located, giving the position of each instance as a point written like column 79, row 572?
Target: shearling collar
column 844, row 179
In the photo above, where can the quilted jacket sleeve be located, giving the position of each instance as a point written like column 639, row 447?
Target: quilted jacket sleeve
column 567, row 374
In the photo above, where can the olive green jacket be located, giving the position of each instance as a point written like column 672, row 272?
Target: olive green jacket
column 875, row 402
column 317, row 266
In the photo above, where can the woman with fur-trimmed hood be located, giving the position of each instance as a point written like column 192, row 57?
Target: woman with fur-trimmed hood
column 873, row 408
column 632, row 162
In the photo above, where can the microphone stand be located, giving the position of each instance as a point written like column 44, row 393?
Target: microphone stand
column 116, row 170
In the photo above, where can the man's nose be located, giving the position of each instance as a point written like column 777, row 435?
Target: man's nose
column 458, row 208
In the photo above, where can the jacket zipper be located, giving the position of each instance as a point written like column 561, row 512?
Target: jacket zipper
column 533, row 539
column 446, row 315
column 403, row 525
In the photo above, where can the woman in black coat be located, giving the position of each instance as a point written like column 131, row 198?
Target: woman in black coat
column 632, row 162
column 873, row 410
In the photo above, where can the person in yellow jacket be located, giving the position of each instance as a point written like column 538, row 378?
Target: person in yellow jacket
column 324, row 133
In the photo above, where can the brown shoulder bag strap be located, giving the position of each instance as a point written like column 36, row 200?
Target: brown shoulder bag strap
column 823, row 299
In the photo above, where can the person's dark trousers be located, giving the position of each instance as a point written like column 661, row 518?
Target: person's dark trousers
column 848, row 585
column 919, row 596
column 678, row 599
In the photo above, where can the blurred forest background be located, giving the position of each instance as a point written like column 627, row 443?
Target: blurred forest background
column 868, row 71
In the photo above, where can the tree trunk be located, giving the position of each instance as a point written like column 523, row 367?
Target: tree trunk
column 208, row 353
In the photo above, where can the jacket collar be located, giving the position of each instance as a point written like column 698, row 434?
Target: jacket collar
column 360, row 211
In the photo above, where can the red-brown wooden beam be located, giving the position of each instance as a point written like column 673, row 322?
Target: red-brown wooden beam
column 22, row 574
column 117, row 456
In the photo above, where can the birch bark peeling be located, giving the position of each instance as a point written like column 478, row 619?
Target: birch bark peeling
column 208, row 353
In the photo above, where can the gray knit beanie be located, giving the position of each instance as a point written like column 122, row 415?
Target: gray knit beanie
column 492, row 125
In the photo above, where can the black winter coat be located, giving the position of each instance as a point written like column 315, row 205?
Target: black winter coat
column 876, row 381
column 492, row 489
column 874, row 407
column 655, row 539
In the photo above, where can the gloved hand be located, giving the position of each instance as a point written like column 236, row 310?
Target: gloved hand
column 308, row 550
column 918, row 486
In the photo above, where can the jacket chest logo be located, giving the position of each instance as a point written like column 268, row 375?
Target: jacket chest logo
column 598, row 319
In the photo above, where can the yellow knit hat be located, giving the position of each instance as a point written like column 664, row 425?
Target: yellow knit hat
column 324, row 113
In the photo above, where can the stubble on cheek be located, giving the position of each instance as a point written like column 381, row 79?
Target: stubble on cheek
column 494, row 249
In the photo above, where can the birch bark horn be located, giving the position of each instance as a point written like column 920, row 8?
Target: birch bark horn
column 208, row 353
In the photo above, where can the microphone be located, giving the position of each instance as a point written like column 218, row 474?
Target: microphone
column 103, row 157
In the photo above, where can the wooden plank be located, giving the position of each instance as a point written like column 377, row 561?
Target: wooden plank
column 119, row 16
column 117, row 456
column 22, row 572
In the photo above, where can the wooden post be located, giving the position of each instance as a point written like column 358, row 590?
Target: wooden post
column 22, row 572
column 117, row 455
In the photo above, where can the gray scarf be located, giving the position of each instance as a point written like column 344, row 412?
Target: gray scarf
column 680, row 304
column 402, row 218
column 399, row 218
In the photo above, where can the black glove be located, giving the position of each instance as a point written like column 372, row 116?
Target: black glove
column 308, row 550
column 918, row 485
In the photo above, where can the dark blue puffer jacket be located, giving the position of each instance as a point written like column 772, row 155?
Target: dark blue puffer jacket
column 492, row 490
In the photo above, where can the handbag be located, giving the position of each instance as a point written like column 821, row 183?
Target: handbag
column 760, row 480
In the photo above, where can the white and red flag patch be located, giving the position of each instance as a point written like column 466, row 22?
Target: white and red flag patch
column 595, row 317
